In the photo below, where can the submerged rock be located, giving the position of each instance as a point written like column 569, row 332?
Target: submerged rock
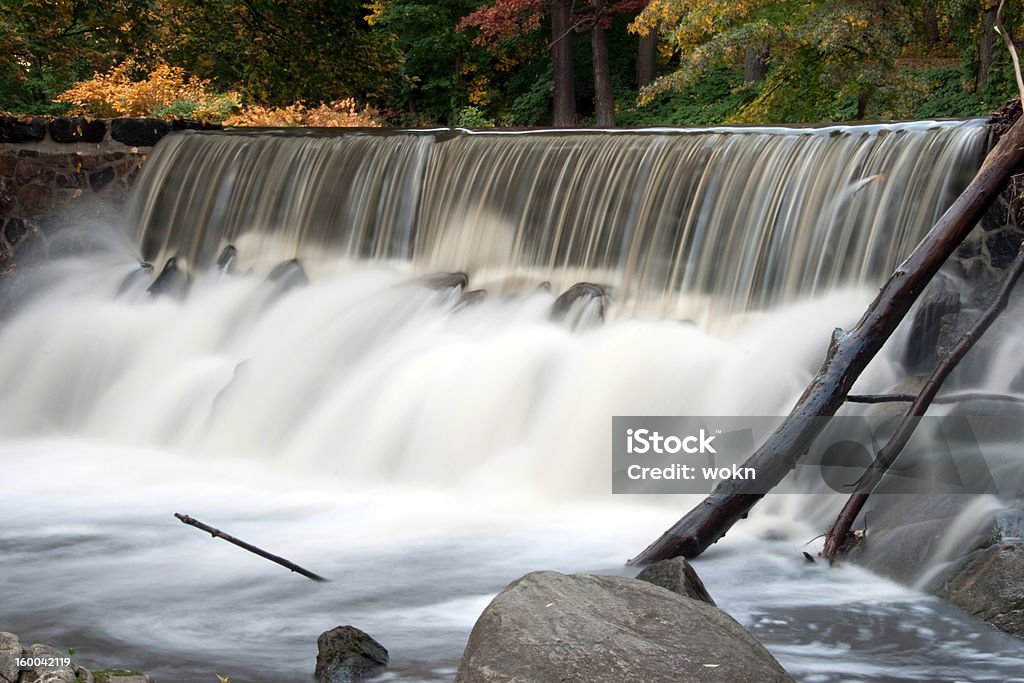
column 226, row 260
column 287, row 276
column 172, row 281
column 135, row 280
column 346, row 654
column 548, row 626
column 678, row 576
column 442, row 281
column 582, row 303
column 470, row 298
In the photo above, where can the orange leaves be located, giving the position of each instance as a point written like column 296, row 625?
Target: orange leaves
column 340, row 114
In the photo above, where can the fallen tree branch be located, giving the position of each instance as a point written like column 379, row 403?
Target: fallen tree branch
column 848, row 355
column 217, row 533
column 948, row 398
column 1009, row 46
column 838, row 536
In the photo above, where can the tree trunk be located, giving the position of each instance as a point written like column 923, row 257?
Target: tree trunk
column 848, row 355
column 647, row 59
column 562, row 59
column 931, row 23
column 604, row 104
column 986, row 47
column 755, row 64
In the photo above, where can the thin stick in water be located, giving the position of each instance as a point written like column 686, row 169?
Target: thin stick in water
column 217, row 533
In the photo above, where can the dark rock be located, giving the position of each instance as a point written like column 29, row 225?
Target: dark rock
column 171, row 281
column 608, row 629
column 1003, row 247
column 14, row 230
column 138, row 132
column 22, row 130
column 677, row 576
column 580, row 303
column 192, row 124
column 226, row 260
column 470, row 298
column 287, row 276
column 76, row 129
column 135, row 280
column 102, row 178
column 937, row 303
column 443, row 281
column 346, row 654
column 989, row 584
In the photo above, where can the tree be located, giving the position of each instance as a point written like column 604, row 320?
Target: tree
column 47, row 45
column 831, row 59
column 280, row 51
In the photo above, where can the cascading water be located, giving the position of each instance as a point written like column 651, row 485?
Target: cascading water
column 422, row 454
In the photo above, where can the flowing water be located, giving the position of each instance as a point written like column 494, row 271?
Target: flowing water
column 422, row 455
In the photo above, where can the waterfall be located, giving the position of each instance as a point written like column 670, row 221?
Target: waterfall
column 420, row 451
column 673, row 222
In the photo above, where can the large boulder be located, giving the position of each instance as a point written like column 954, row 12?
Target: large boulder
column 346, row 654
column 548, row 626
column 10, row 648
column 989, row 585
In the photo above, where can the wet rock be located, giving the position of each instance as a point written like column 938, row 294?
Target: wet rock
column 470, row 298
column 583, row 302
column 10, row 647
column 346, row 654
column 192, row 124
column 15, row 229
column 135, row 280
column 171, row 281
column 936, row 304
column 120, row 676
column 443, row 281
column 46, row 673
column 1002, row 247
column 102, row 178
column 138, row 132
column 678, row 576
column 226, row 260
column 989, row 584
column 547, row 626
column 77, row 129
column 287, row 276
column 22, row 130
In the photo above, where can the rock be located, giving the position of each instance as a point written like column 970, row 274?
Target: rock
column 22, row 130
column 547, row 626
column 171, row 281
column 581, row 303
column 120, row 676
column 1002, row 247
column 937, row 303
column 10, row 647
column 226, row 260
column 15, row 229
column 287, row 276
column 83, row 675
column 102, row 178
column 346, row 654
column 47, row 674
column 135, row 280
column 442, row 281
column 470, row 298
column 192, row 124
column 76, row 129
column 678, row 576
column 138, row 132
column 989, row 584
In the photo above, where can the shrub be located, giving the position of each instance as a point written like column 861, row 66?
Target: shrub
column 340, row 114
column 166, row 91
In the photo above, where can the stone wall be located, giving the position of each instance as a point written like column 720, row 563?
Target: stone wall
column 69, row 169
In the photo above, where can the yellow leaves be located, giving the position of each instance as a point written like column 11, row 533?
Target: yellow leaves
column 116, row 93
column 340, row 114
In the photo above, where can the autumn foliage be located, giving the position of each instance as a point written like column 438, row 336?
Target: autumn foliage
column 341, row 114
column 166, row 90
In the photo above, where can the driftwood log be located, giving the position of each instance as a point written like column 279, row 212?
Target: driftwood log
column 839, row 535
column 217, row 533
column 848, row 354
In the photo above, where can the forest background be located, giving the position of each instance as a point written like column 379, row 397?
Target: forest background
column 508, row 63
